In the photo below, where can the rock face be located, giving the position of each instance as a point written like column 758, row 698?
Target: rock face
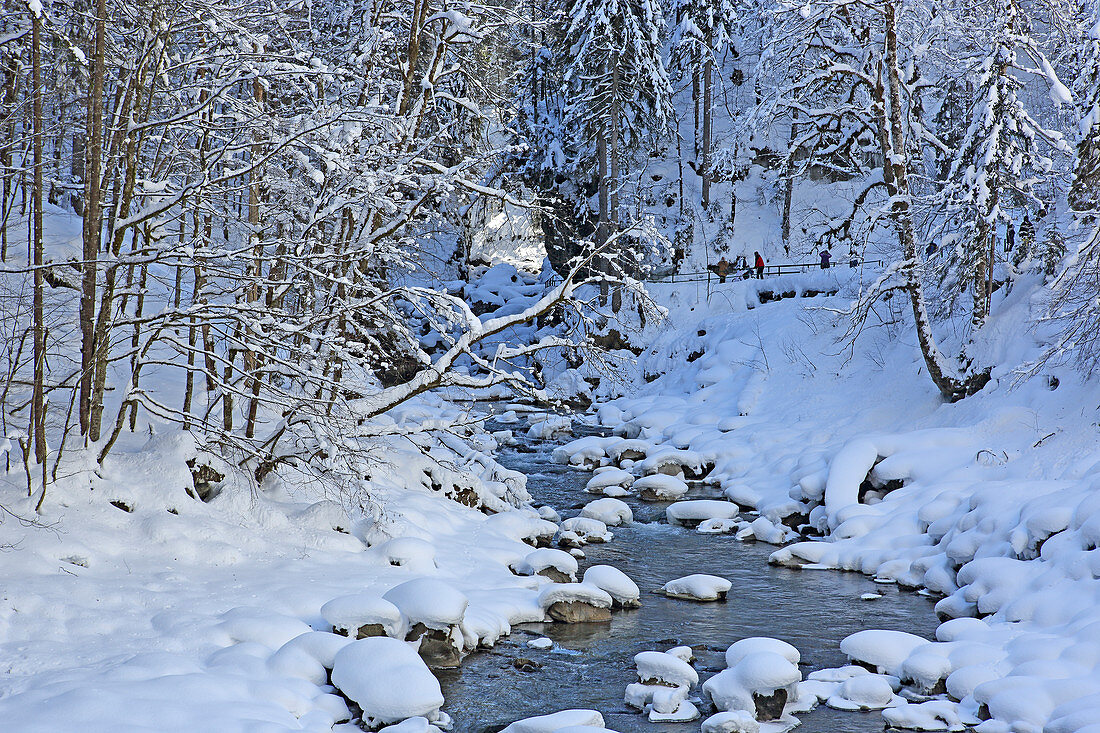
column 556, row 575
column 770, row 707
column 577, row 612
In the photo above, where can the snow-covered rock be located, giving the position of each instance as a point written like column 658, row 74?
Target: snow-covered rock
column 575, row 602
column 663, row 668
column 698, row 587
column 761, row 683
column 624, row 592
column 434, row 603
column 578, row 531
column 551, row 427
column 691, row 513
column 863, row 692
column 883, row 650
column 660, row 487
column 612, row 512
column 741, row 648
column 557, row 565
column 555, row 722
column 609, row 478
column 412, row 553
column 734, row 721
column 387, row 679
column 364, row 614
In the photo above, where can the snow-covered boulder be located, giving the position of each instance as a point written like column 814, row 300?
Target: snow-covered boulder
column 661, row 668
column 698, row 587
column 387, row 679
column 550, row 427
column 765, row 530
column 735, row 721
column 624, row 592
column 935, row 715
column 761, row 683
column 412, row 553
column 691, row 513
column 579, row 531
column 573, row 603
column 881, row 650
column 740, row 649
column 685, row 712
column 863, row 692
column 412, row 725
column 364, row 614
column 684, row 463
column 523, row 525
column 610, row 480
column 555, row 722
column 612, row 512
column 660, row 487
column 433, row 611
column 557, row 565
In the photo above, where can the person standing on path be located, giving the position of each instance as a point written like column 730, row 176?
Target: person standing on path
column 759, row 264
column 723, row 269
column 826, row 256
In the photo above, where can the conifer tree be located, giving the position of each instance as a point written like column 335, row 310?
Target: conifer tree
column 618, row 91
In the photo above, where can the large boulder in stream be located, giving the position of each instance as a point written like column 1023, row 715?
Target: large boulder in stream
column 575, row 603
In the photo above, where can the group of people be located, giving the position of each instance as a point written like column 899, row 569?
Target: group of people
column 740, row 264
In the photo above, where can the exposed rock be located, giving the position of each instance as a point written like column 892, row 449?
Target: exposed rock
column 770, row 707
column 436, row 647
column 577, row 612
column 556, row 575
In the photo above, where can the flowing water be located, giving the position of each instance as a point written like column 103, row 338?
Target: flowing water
column 590, row 665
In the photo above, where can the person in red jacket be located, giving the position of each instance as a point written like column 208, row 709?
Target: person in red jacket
column 759, row 266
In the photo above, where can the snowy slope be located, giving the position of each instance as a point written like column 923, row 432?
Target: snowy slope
column 989, row 502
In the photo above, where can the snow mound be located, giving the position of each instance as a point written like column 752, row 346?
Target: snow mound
column 431, row 602
column 557, row 722
column 660, row 487
column 581, row 531
column 348, row 614
column 760, row 673
column 930, row 715
column 884, row 650
column 663, row 668
column 698, row 587
column 387, row 679
column 573, row 592
column 411, row 553
column 609, row 478
column 624, row 592
column 685, row 712
column 412, row 725
column 690, row 513
column 523, row 525
column 550, row 427
column 612, row 512
column 738, row 650
column 547, row 557
column 863, row 692
column 736, row 721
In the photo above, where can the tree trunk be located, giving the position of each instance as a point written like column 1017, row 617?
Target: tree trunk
column 93, row 220
column 949, row 387
column 38, row 408
column 708, row 104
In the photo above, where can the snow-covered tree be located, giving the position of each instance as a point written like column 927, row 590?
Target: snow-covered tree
column 618, row 92
column 701, row 33
column 998, row 158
